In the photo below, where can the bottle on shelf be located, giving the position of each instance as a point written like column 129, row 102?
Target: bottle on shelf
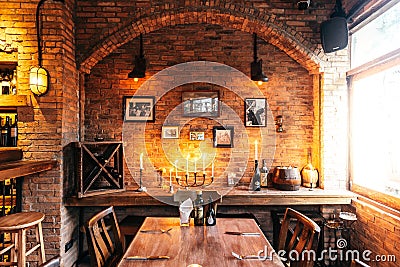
column 264, row 174
column 5, row 83
column 14, row 132
column 5, row 132
column 211, row 217
column 199, row 209
column 256, row 180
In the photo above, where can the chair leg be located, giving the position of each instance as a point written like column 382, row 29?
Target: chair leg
column 21, row 248
column 39, row 239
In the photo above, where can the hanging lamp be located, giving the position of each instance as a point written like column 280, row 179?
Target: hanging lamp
column 139, row 71
column 256, row 66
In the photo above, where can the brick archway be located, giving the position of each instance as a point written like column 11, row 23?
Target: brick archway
column 224, row 14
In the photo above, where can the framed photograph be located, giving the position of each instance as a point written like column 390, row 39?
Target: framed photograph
column 197, row 136
column 255, row 112
column 223, row 136
column 170, row 132
column 139, row 108
column 200, row 103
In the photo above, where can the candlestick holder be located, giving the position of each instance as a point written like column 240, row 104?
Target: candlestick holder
column 196, row 182
column 141, row 187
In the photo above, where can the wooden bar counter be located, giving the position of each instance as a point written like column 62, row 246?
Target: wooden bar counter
column 236, row 196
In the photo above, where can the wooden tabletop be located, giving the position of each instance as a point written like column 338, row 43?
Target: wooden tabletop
column 203, row 245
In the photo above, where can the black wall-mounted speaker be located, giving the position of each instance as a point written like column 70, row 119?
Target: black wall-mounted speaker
column 334, row 34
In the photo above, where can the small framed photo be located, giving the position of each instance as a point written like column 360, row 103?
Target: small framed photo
column 223, row 136
column 197, row 136
column 170, row 132
column 139, row 108
column 200, row 103
column 255, row 112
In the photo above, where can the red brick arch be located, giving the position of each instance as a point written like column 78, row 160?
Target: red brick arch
column 228, row 15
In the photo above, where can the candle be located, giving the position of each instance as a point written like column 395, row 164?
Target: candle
column 187, row 165
column 195, row 160
column 141, row 161
column 212, row 169
column 170, row 176
column 255, row 150
column 176, row 168
column 204, row 169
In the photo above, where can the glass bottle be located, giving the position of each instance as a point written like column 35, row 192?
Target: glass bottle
column 199, row 209
column 5, row 132
column 255, row 182
column 14, row 132
column 264, row 174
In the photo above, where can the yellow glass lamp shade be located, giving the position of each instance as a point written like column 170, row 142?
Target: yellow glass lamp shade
column 38, row 80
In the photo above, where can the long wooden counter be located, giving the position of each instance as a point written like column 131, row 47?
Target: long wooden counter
column 21, row 168
column 236, row 196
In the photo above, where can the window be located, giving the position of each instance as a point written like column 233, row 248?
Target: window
column 375, row 106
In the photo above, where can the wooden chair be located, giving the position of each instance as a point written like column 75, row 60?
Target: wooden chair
column 358, row 263
column 53, row 262
column 298, row 233
column 104, row 239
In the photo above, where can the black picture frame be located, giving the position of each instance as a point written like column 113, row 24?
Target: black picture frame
column 139, row 108
column 200, row 103
column 255, row 112
column 223, row 136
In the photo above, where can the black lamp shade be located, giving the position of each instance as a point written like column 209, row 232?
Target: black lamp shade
column 257, row 73
column 139, row 71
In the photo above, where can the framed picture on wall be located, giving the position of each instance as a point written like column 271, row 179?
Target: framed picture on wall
column 139, row 108
column 223, row 136
column 197, row 136
column 255, row 110
column 170, row 132
column 200, row 103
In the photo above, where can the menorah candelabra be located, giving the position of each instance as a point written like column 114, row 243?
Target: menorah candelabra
column 196, row 181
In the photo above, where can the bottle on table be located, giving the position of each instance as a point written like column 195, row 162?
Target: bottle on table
column 256, row 181
column 264, row 174
column 199, row 209
column 211, row 217
column 5, row 132
column 14, row 132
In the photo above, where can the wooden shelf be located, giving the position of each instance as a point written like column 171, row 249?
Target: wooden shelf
column 21, row 168
column 15, row 101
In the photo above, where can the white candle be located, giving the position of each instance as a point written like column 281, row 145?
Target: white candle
column 204, row 169
column 141, row 161
column 176, row 168
column 195, row 160
column 170, row 176
column 187, row 165
column 212, row 169
column 255, row 150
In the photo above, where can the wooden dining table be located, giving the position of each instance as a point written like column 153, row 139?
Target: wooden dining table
column 201, row 245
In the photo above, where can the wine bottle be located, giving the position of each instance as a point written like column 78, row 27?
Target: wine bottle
column 211, row 218
column 199, row 209
column 14, row 132
column 264, row 174
column 255, row 182
column 1, row 131
column 5, row 132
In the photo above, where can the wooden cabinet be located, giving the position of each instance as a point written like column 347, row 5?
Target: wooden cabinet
column 99, row 167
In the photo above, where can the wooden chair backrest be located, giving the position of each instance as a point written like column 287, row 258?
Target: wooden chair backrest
column 302, row 237
column 104, row 239
column 53, row 262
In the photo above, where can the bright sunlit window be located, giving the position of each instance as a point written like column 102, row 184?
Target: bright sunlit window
column 375, row 104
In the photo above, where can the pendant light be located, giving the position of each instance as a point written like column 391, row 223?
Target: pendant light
column 256, row 66
column 38, row 75
column 139, row 71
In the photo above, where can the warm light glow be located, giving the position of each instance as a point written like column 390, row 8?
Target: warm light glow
column 136, row 79
column 260, row 83
column 38, row 80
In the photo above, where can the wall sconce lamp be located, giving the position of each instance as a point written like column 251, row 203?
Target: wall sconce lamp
column 256, row 66
column 139, row 71
column 279, row 123
column 39, row 76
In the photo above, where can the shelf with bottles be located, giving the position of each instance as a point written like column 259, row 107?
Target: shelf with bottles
column 9, row 96
column 8, row 129
column 99, row 167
